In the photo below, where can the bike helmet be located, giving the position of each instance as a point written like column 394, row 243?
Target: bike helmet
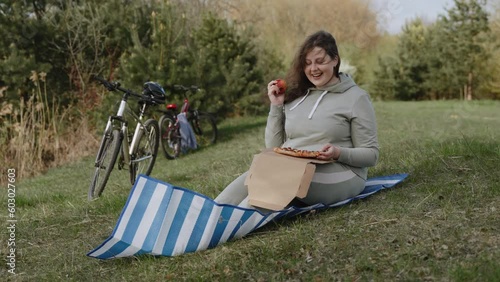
column 154, row 90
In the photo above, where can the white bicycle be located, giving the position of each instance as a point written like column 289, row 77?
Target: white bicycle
column 136, row 152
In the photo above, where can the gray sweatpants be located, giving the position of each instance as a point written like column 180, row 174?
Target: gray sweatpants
column 331, row 183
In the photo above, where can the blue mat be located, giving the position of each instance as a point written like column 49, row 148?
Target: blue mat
column 165, row 220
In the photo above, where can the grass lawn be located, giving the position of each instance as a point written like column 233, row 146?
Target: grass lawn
column 441, row 224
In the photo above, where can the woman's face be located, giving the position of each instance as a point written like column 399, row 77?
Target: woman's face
column 319, row 67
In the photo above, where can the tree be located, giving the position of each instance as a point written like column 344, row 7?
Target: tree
column 83, row 38
column 412, row 65
column 68, row 40
column 444, row 60
column 226, row 64
column 215, row 56
column 155, row 50
column 23, row 46
column 465, row 30
column 384, row 85
column 441, row 80
column 491, row 80
column 402, row 76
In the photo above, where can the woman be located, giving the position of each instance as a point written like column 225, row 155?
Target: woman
column 323, row 110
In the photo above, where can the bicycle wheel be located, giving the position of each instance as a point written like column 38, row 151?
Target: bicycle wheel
column 105, row 161
column 170, row 138
column 144, row 157
column 205, row 129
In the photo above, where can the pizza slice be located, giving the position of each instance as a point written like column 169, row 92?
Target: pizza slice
column 296, row 152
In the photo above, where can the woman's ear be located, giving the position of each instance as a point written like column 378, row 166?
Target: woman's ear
column 336, row 60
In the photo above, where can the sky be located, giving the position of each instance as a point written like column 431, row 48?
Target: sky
column 394, row 13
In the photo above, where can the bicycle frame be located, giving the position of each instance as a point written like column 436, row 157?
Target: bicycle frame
column 139, row 130
column 185, row 106
column 128, row 147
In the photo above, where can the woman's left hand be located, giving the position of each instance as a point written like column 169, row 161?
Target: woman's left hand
column 329, row 152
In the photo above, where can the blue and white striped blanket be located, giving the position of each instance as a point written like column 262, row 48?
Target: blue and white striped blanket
column 162, row 219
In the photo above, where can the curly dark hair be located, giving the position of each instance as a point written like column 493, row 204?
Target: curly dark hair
column 296, row 78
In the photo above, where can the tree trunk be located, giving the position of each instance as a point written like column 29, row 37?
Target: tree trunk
column 469, row 87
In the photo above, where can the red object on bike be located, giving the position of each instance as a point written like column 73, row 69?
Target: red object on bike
column 171, row 107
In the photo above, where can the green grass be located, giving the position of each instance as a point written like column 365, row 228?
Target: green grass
column 441, row 224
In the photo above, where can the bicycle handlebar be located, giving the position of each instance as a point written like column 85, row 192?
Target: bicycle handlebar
column 112, row 86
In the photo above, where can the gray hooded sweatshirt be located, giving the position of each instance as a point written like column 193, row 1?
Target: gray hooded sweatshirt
column 341, row 114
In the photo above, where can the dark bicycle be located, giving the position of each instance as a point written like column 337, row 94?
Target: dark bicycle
column 136, row 151
column 203, row 125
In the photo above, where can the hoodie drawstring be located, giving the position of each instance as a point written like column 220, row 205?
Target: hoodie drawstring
column 317, row 103
column 301, row 100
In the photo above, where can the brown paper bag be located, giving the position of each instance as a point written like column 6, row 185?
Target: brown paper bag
column 274, row 180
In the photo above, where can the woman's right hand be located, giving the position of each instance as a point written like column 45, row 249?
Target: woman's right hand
column 273, row 94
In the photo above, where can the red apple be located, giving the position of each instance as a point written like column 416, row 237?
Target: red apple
column 281, row 85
